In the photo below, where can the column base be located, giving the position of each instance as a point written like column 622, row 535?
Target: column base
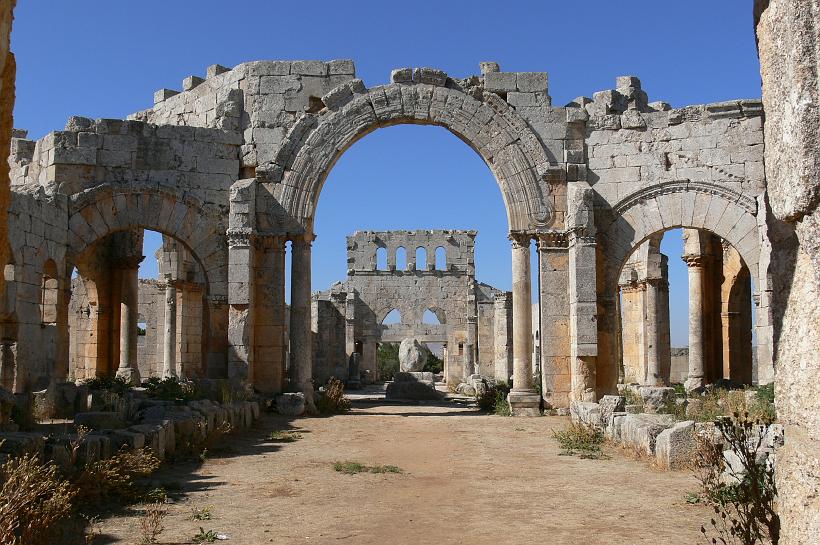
column 526, row 403
column 694, row 384
column 131, row 376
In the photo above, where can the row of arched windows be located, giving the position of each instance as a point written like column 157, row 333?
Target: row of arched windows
column 440, row 263
column 394, row 317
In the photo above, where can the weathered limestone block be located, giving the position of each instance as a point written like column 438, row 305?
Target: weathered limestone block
column 656, row 398
column 412, row 386
column 99, row 420
column 609, row 405
column 19, row 443
column 674, row 446
column 641, row 430
column 155, row 437
column 586, row 412
column 291, row 404
column 412, row 355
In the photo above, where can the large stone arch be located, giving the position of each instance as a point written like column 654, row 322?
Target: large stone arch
column 489, row 126
column 656, row 209
column 109, row 208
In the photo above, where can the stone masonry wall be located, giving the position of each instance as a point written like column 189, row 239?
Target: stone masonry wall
column 788, row 35
column 8, row 70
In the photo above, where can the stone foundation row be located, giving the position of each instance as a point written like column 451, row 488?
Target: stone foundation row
column 671, row 443
column 162, row 426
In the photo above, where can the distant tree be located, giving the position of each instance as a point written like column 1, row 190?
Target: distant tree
column 434, row 364
column 388, row 360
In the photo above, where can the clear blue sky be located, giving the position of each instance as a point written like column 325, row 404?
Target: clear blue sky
column 105, row 59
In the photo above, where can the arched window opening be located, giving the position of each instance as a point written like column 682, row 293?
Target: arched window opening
column 393, row 317
column 441, row 259
column 430, row 318
column 381, row 259
column 421, row 259
column 401, row 259
column 49, row 294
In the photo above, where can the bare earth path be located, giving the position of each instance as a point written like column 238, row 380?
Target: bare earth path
column 469, row 478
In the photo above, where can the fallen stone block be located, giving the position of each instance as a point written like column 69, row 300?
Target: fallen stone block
column 291, row 404
column 411, row 390
column 19, row 443
column 585, row 412
column 641, row 430
column 675, row 446
column 98, row 420
column 656, row 398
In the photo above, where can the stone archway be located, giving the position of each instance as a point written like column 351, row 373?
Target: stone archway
column 484, row 121
column 489, row 126
column 679, row 204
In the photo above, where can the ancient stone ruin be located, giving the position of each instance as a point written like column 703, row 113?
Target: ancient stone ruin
column 230, row 169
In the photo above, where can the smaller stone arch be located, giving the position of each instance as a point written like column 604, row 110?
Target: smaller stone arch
column 682, row 204
column 655, row 209
column 110, row 208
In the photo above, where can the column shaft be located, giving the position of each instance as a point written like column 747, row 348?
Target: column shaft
column 169, row 340
column 129, row 295
column 522, row 316
column 696, row 366
column 301, row 346
column 652, row 339
column 523, row 399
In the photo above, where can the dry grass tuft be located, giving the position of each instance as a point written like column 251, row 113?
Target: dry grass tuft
column 34, row 499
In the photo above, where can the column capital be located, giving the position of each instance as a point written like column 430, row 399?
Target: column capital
column 552, row 240
column 302, row 239
column 127, row 262
column 267, row 242
column 519, row 239
column 472, row 319
column 693, row 260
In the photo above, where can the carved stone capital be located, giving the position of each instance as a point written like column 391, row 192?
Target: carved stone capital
column 239, row 238
column 127, row 262
column 692, row 260
column 552, row 240
column 519, row 240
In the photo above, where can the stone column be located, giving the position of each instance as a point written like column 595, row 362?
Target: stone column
column 129, row 311
column 654, row 376
column 696, row 377
column 523, row 399
column 301, row 344
column 503, row 337
column 169, row 340
column 469, row 350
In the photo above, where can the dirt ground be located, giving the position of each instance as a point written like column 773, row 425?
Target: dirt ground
column 468, row 479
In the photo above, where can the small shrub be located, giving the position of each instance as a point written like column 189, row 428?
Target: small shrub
column 170, row 389
column 205, row 537
column 115, row 477
column 632, row 397
column 766, row 393
column 333, row 401
column 586, row 441
column 155, row 495
column 151, row 523
column 745, row 504
column 114, row 384
column 34, row 500
column 352, row 468
column 349, row 468
column 284, row 436
column 492, row 396
column 203, row 513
